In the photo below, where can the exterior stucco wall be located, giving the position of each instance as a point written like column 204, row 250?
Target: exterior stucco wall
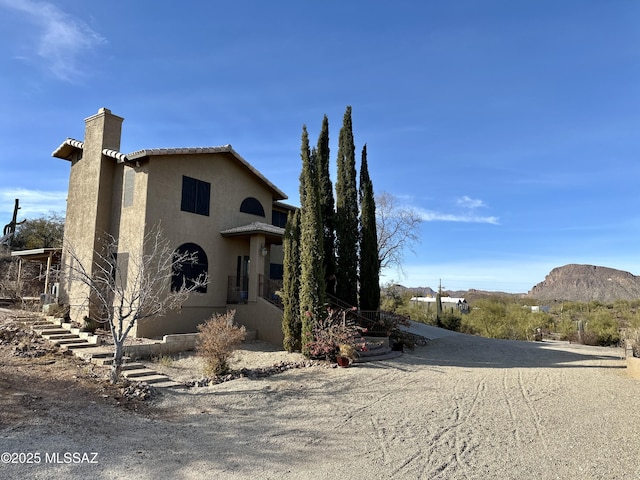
column 263, row 317
column 230, row 184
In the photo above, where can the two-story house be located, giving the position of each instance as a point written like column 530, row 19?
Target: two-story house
column 209, row 201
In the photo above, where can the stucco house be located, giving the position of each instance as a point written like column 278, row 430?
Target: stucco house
column 208, row 200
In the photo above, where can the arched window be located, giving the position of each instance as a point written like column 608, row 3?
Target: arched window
column 253, row 206
column 185, row 273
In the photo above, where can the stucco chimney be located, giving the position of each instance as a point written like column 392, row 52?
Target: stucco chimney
column 90, row 193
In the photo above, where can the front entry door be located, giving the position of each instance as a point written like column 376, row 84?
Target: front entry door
column 242, row 277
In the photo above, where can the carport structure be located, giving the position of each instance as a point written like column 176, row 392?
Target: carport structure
column 47, row 258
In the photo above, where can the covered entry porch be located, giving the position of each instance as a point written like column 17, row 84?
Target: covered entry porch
column 258, row 272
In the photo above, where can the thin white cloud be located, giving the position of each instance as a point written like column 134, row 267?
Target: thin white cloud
column 33, row 203
column 432, row 216
column 465, row 206
column 468, row 202
column 61, row 39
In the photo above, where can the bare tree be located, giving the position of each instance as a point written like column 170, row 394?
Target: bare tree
column 397, row 230
column 124, row 293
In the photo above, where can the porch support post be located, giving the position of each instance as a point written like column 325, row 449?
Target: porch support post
column 256, row 265
column 19, row 279
column 46, row 274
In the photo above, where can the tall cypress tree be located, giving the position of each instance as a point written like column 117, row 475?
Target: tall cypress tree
column 369, row 263
column 291, row 325
column 311, row 250
column 327, row 206
column 347, row 215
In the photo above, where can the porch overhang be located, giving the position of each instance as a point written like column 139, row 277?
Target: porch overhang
column 271, row 233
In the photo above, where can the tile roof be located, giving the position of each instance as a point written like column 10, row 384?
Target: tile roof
column 69, row 146
column 254, row 227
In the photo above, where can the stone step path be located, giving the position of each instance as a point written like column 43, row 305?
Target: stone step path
column 87, row 346
column 376, row 352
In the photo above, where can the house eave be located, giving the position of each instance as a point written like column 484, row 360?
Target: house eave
column 67, row 149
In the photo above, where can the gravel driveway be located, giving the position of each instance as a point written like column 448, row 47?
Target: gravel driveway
column 461, row 407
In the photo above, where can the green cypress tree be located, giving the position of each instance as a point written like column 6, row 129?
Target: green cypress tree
column 347, row 215
column 369, row 262
column 327, row 206
column 291, row 325
column 311, row 250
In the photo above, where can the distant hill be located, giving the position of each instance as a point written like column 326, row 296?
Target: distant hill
column 415, row 291
column 470, row 295
column 583, row 283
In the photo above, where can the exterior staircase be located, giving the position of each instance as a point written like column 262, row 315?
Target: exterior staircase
column 87, row 346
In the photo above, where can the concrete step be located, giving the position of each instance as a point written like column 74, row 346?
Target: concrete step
column 374, row 351
column 133, row 373
column 53, row 331
column 169, row 384
column 151, row 378
column 43, row 324
column 391, row 354
column 60, row 336
column 94, row 352
column 133, row 366
column 68, row 341
column 75, row 346
column 105, row 360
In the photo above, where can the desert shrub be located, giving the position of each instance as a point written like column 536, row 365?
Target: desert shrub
column 602, row 329
column 566, row 328
column 218, row 338
column 497, row 319
column 451, row 320
column 335, row 329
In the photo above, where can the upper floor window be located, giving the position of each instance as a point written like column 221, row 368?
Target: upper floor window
column 279, row 219
column 253, row 206
column 195, row 196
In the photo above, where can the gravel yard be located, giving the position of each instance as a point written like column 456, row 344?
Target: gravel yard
column 460, row 407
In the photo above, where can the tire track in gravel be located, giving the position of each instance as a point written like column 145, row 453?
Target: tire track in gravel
column 452, row 445
column 533, row 411
column 525, row 417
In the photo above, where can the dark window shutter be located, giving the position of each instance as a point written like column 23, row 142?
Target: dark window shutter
column 188, row 194
column 203, row 193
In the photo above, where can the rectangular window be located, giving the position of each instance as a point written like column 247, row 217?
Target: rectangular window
column 276, row 271
column 129, row 184
column 279, row 219
column 195, row 196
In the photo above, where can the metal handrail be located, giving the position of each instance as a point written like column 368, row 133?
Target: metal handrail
column 369, row 319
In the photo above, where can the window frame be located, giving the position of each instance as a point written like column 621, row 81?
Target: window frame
column 196, row 196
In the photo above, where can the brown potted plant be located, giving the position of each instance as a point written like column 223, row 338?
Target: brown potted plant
column 346, row 355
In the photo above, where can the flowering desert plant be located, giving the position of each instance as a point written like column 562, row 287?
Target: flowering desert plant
column 218, row 338
column 332, row 331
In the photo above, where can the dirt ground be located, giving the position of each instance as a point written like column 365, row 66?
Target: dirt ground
column 459, row 407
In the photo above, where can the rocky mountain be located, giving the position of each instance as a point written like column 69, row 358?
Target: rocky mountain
column 583, row 283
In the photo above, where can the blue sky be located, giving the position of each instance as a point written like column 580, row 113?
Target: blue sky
column 512, row 127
